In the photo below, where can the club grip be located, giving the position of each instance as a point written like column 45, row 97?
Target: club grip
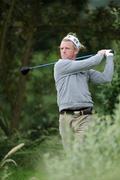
column 112, row 51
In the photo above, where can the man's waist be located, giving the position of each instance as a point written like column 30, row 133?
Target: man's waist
column 81, row 111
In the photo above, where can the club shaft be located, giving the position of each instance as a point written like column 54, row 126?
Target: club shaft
column 42, row 65
column 52, row 63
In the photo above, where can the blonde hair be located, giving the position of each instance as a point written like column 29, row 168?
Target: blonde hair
column 73, row 34
column 82, row 47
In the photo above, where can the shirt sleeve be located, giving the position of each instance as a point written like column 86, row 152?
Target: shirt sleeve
column 66, row 67
column 106, row 75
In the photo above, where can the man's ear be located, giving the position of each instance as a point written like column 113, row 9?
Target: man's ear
column 76, row 51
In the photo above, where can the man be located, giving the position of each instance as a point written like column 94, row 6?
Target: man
column 73, row 96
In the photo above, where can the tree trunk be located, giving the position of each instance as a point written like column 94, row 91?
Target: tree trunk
column 5, row 30
column 21, row 86
column 4, row 126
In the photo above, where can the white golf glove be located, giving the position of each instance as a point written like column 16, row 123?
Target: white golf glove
column 109, row 52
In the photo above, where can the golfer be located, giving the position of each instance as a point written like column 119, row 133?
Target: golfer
column 73, row 96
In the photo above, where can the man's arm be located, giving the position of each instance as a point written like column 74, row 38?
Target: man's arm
column 66, row 67
column 107, row 74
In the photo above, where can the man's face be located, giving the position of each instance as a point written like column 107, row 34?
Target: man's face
column 68, row 50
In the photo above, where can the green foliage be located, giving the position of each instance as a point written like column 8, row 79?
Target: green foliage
column 30, row 33
column 40, row 116
column 107, row 95
column 99, row 154
column 4, row 168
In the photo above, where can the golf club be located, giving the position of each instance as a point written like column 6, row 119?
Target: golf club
column 25, row 70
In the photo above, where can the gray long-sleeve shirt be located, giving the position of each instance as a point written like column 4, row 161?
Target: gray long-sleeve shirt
column 71, row 80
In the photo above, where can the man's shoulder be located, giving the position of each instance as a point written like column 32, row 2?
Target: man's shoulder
column 62, row 62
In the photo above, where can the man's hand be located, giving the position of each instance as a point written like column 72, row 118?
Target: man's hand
column 106, row 52
column 109, row 52
column 102, row 52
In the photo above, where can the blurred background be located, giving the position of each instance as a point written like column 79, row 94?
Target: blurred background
column 30, row 34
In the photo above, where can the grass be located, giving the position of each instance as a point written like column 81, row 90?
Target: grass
column 31, row 165
column 23, row 173
column 27, row 174
column 98, row 158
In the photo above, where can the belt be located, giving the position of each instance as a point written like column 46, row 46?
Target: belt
column 83, row 111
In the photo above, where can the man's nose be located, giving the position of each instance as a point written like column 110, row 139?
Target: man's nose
column 64, row 50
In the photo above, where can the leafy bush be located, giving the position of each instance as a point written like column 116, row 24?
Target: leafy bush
column 97, row 157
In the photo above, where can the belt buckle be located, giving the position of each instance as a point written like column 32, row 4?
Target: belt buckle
column 81, row 112
column 76, row 113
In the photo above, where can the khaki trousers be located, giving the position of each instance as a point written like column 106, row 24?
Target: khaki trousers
column 72, row 129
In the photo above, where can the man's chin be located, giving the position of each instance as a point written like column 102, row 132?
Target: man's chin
column 65, row 57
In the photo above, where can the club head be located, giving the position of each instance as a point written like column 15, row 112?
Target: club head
column 24, row 70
